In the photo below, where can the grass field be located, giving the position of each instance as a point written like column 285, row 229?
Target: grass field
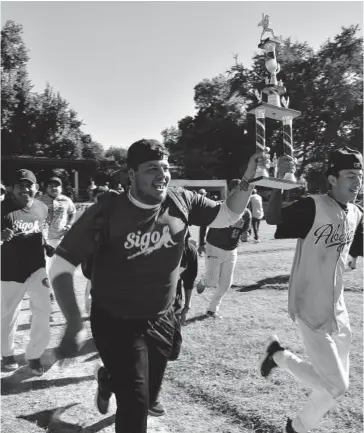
column 213, row 387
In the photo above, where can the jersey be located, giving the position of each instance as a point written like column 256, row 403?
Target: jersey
column 59, row 210
column 315, row 293
column 24, row 253
column 136, row 269
column 228, row 238
column 298, row 217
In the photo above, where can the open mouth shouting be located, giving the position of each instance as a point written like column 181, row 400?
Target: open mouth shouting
column 160, row 186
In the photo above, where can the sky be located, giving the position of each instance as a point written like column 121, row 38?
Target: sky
column 129, row 68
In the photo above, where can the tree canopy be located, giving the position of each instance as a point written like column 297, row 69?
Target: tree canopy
column 326, row 86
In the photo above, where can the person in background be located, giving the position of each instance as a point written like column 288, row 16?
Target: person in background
column 328, row 228
column 256, row 205
column 61, row 214
column 120, row 188
column 23, row 221
column 220, row 247
column 91, row 189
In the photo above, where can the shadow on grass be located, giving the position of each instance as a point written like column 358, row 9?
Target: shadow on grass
column 224, row 406
column 197, row 319
column 278, row 282
column 49, row 420
column 11, row 387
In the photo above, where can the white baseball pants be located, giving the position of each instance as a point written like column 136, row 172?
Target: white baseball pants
column 327, row 373
column 219, row 272
column 12, row 294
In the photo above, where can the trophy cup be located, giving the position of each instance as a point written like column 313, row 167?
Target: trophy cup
column 273, row 109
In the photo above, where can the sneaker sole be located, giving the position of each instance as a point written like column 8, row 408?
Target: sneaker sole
column 97, row 367
column 155, row 414
column 265, row 355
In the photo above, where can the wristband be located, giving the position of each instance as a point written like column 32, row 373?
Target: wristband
column 186, row 306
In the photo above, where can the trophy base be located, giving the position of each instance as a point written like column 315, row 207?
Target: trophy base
column 274, row 183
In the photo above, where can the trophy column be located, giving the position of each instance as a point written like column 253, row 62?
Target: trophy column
column 288, row 143
column 260, row 139
column 273, row 109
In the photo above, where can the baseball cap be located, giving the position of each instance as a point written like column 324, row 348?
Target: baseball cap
column 145, row 150
column 24, row 174
column 202, row 191
column 345, row 158
column 55, row 179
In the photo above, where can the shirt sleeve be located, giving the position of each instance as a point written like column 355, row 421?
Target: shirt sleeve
column 356, row 248
column 225, row 217
column 296, row 219
column 78, row 244
column 202, row 210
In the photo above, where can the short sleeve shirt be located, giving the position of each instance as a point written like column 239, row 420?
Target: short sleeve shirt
column 24, row 254
column 136, row 270
column 59, row 210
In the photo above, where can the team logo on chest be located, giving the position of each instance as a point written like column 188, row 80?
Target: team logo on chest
column 27, row 227
column 148, row 242
column 332, row 236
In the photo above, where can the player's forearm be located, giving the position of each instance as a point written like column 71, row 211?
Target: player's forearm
column 274, row 210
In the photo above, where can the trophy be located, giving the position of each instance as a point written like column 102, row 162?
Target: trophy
column 274, row 91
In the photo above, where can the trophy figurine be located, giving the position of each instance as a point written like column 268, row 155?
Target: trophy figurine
column 274, row 91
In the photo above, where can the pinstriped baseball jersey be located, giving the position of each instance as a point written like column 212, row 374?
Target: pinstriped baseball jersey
column 316, row 284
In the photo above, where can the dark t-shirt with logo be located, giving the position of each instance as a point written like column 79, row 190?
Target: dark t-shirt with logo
column 297, row 219
column 24, row 253
column 136, row 270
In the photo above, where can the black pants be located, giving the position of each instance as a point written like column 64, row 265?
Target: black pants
column 135, row 366
column 256, row 224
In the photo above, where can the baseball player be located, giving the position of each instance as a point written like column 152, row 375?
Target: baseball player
column 221, row 256
column 328, row 227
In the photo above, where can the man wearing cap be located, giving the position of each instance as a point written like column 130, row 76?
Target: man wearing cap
column 328, row 227
column 135, row 274
column 221, row 249
column 23, row 219
column 61, row 211
column 61, row 214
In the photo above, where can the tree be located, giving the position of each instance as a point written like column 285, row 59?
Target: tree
column 118, row 152
column 91, row 149
column 16, row 98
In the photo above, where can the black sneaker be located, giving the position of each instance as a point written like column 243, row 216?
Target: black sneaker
column 266, row 362
column 8, row 363
column 103, row 392
column 156, row 409
column 289, row 428
column 36, row 367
